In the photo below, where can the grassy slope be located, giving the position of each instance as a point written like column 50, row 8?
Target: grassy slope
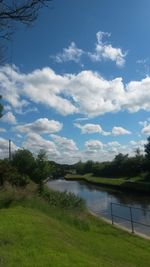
column 34, row 234
column 132, row 183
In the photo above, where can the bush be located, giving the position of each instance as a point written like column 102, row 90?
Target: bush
column 10, row 174
column 63, row 199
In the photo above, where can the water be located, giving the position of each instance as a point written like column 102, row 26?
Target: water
column 98, row 201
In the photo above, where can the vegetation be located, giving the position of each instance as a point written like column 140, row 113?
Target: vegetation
column 37, row 232
column 122, row 171
column 40, row 227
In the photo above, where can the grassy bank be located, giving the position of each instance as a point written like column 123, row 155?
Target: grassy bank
column 127, row 184
column 37, row 231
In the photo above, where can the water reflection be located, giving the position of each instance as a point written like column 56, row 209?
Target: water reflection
column 98, row 201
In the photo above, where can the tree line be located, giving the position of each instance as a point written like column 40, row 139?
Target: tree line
column 25, row 167
column 121, row 166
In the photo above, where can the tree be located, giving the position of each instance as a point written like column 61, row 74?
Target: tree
column 24, row 161
column 23, row 11
column 42, row 170
column 147, row 148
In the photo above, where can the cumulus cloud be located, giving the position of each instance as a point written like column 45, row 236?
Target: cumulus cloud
column 93, row 145
column 2, row 130
column 91, row 128
column 59, row 149
column 40, row 86
column 41, row 126
column 114, row 144
column 138, row 144
column 103, row 51
column 119, row 131
column 72, row 53
column 35, row 143
column 9, row 118
column 63, row 143
column 138, row 95
column 85, row 93
column 107, row 51
column 146, row 129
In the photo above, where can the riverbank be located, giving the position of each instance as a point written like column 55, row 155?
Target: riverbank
column 39, row 232
column 134, row 184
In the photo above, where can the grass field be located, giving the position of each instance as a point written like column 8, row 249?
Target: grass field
column 121, row 183
column 35, row 233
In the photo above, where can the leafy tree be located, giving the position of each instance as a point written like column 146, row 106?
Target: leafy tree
column 42, row 170
column 24, row 161
column 147, row 148
column 10, row 174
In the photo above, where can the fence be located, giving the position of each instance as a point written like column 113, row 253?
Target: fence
column 131, row 219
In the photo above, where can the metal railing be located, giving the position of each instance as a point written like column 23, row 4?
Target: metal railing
column 131, row 217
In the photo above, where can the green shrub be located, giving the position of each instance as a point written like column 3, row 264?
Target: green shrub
column 63, row 199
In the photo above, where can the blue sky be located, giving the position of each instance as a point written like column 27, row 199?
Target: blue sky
column 78, row 85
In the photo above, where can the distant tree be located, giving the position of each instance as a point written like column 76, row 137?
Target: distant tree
column 79, row 166
column 88, row 166
column 147, row 148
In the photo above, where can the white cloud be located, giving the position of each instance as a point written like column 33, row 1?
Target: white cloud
column 138, row 144
column 64, row 144
column 72, row 53
column 86, row 93
column 146, row 129
column 34, row 142
column 2, row 130
column 94, row 145
column 107, row 51
column 40, row 86
column 114, row 144
column 137, row 95
column 41, row 126
column 91, row 128
column 9, row 118
column 102, row 51
column 119, row 131
column 81, row 119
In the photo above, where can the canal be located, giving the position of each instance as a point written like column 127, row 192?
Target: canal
column 98, row 200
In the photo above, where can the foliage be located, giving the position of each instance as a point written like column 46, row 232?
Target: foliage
column 10, row 174
column 42, row 169
column 33, row 233
column 121, row 166
column 21, row 11
column 13, row 11
column 63, row 199
column 24, row 161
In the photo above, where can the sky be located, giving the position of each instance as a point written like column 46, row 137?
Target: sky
column 77, row 83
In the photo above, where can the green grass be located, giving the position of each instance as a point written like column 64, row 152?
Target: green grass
column 35, row 233
column 90, row 178
column 123, row 182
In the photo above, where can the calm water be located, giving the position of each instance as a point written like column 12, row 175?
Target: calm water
column 98, row 201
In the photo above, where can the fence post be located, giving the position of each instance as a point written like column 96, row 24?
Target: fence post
column 132, row 226
column 112, row 218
